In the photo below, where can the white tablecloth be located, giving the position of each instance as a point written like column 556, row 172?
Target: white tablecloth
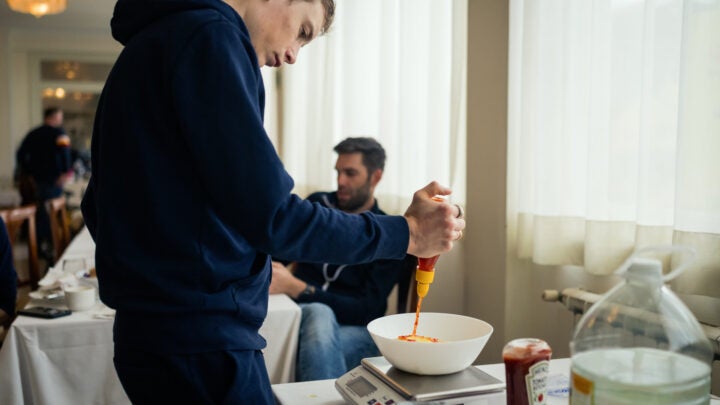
column 82, row 246
column 68, row 360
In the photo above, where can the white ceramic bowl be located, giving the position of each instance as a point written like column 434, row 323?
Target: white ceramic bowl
column 462, row 338
column 80, row 297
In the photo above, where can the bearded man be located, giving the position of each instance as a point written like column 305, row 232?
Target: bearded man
column 339, row 300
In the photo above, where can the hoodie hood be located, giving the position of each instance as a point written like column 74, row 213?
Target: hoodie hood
column 132, row 16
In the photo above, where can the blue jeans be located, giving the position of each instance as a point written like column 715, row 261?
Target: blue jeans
column 327, row 350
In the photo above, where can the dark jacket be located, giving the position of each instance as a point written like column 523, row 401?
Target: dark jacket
column 44, row 154
column 358, row 293
column 185, row 227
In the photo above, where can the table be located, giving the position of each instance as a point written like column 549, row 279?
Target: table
column 323, row 392
column 68, row 360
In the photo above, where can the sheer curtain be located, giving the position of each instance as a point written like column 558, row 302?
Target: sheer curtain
column 614, row 132
column 393, row 70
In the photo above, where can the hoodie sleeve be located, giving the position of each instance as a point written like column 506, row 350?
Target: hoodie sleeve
column 217, row 91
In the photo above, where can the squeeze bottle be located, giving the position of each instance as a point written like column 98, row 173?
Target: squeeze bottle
column 425, row 273
column 639, row 344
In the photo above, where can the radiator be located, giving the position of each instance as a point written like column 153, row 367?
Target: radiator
column 578, row 301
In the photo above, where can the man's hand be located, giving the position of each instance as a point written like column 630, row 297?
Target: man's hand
column 434, row 225
column 283, row 282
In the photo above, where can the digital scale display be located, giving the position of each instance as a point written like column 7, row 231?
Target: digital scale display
column 377, row 382
column 361, row 387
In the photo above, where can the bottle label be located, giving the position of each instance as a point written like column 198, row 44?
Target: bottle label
column 581, row 391
column 536, row 382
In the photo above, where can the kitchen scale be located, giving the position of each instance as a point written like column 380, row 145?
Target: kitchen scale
column 376, row 381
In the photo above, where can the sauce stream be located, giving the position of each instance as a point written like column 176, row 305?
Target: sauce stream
column 414, row 337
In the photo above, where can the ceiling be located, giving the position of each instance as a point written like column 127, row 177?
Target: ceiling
column 80, row 15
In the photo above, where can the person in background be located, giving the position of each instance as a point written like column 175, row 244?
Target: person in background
column 44, row 165
column 338, row 300
column 8, row 278
column 184, row 233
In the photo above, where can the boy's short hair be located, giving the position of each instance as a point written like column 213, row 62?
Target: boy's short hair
column 329, row 7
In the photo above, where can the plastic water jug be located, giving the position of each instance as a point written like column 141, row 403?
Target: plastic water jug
column 639, row 344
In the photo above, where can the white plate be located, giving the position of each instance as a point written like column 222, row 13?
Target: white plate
column 46, row 294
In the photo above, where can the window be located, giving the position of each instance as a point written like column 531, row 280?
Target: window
column 391, row 70
column 614, row 132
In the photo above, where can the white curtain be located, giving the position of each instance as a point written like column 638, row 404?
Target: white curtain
column 614, row 132
column 390, row 69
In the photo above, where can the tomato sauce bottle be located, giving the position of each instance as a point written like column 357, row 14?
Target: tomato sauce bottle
column 527, row 361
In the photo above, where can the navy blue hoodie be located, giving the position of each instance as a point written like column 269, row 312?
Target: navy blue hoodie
column 188, row 196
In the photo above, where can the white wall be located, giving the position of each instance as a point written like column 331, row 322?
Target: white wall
column 6, row 145
column 485, row 244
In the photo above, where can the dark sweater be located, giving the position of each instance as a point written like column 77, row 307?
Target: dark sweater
column 45, row 154
column 358, row 293
column 188, row 197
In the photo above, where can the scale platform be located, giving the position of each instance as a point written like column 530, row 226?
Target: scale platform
column 376, row 381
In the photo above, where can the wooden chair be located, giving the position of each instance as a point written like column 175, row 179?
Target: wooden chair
column 24, row 218
column 59, row 225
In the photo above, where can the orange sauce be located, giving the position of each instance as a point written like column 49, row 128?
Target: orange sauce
column 417, row 316
column 415, row 337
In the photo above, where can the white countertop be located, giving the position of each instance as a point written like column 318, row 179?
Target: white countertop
column 324, row 393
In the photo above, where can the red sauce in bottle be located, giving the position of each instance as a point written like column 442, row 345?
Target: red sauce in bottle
column 526, row 371
column 427, row 263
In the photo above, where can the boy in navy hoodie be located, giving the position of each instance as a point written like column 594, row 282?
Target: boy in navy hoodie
column 185, row 232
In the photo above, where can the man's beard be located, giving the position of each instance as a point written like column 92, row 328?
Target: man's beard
column 357, row 199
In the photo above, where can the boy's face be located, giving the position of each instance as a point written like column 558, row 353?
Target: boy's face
column 279, row 28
